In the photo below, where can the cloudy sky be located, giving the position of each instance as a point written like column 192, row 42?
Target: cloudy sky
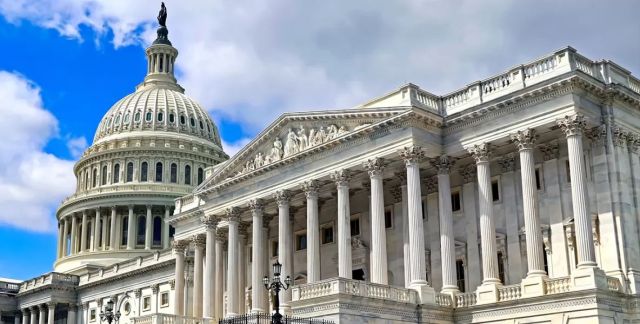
column 64, row 62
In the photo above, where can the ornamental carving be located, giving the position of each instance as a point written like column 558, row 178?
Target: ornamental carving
column 233, row 214
column 634, row 142
column 209, row 221
column 443, row 163
column 468, row 173
column 597, row 135
column 297, row 140
column 199, row 240
column 282, row 197
column 178, row 246
column 311, row 188
column 572, row 125
column 431, row 184
column 256, row 205
column 396, row 193
column 619, row 137
column 480, row 152
column 374, row 166
column 341, row 177
column 524, row 139
column 412, row 154
column 508, row 162
column 550, row 150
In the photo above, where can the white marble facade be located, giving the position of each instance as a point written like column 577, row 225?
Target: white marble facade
column 512, row 200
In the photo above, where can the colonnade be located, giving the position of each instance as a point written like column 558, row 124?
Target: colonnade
column 101, row 229
column 44, row 314
column 210, row 304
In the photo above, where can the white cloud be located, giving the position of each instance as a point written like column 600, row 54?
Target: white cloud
column 32, row 182
column 76, row 146
column 249, row 61
column 233, row 148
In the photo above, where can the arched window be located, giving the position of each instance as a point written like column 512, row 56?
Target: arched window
column 157, row 230
column 193, row 122
column 87, row 184
column 201, row 125
column 160, row 116
column 125, row 230
column 187, row 174
column 117, row 120
column 172, row 118
column 136, row 118
column 159, row 172
column 148, row 116
column 142, row 229
column 94, row 178
column 104, row 175
column 126, row 118
column 174, row 173
column 200, row 175
column 116, row 173
column 144, row 169
column 129, row 171
column 182, row 120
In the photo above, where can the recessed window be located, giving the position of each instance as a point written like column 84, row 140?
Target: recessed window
column 172, row 118
column 142, row 228
column 164, row 299
column 538, row 179
column 455, row 201
column 116, row 173
column 92, row 315
column 274, row 249
column 192, row 121
column 567, row 170
column 109, row 122
column 423, row 206
column 187, row 174
column 301, row 242
column 355, row 226
column 159, row 172
column 201, row 125
column 200, row 175
column 183, row 120
column 174, row 173
column 129, row 171
column 136, row 118
column 117, row 119
column 146, row 303
column 208, row 128
column 388, row 217
column 501, row 266
column 157, row 230
column 327, row 235
column 94, row 178
column 160, row 116
column 495, row 190
column 148, row 116
column 126, row 118
column 460, row 275
column 144, row 170
column 104, row 175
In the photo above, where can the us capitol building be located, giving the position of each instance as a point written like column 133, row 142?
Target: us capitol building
column 515, row 199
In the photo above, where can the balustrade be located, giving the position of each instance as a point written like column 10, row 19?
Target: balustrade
column 511, row 292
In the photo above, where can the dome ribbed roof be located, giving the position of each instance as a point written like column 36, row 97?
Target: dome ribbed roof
column 157, row 109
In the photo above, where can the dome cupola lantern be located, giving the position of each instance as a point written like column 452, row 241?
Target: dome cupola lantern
column 161, row 56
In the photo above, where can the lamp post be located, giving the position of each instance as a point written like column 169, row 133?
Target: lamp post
column 275, row 286
column 108, row 315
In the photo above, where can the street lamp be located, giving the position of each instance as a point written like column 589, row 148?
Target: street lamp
column 108, row 315
column 275, row 286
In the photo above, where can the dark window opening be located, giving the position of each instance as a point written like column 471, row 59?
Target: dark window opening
column 148, row 116
column 104, row 175
column 301, row 242
column 495, row 190
column 567, row 169
column 116, row 173
column 144, row 170
column 388, row 218
column 160, row 116
column 357, row 274
column 172, row 231
column 142, row 229
column 327, row 235
column 129, row 171
column 455, row 202
column 200, row 175
column 274, row 248
column 460, row 275
column 158, row 172
column 538, row 183
column 501, row 267
column 172, row 118
column 355, row 227
column 125, row 230
column 187, row 174
column 157, row 230
column 174, row 173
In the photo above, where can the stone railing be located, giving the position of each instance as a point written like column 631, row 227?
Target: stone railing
column 51, row 278
column 466, row 299
column 170, row 319
column 9, row 287
column 127, row 266
column 557, row 285
column 351, row 287
column 511, row 292
column 444, row 300
column 126, row 187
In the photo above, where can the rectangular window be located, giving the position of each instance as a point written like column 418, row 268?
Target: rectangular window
column 495, row 190
column 355, row 226
column 388, row 217
column 423, row 205
column 92, row 315
column 250, row 254
column 538, row 179
column 301, row 242
column 501, row 267
column 274, row 249
column 460, row 275
column 146, row 303
column 164, row 299
column 455, row 201
column 327, row 235
column 567, row 170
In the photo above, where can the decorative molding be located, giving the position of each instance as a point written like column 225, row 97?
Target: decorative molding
column 341, row 177
column 524, row 139
column 282, row 197
column 550, row 150
column 508, row 162
column 572, row 125
column 310, row 188
column 412, row 154
column 443, row 163
column 232, row 214
column 469, row 173
column 374, row 167
column 480, row 152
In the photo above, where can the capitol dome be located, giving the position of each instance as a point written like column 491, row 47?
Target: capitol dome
column 150, row 148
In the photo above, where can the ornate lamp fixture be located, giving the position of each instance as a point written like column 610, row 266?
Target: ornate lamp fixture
column 274, row 287
column 108, row 315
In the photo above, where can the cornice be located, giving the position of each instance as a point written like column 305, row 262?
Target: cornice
column 128, row 274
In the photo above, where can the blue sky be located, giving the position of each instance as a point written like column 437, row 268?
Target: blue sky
column 63, row 63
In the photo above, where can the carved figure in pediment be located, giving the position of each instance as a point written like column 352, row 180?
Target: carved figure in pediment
column 332, row 133
column 276, row 150
column 303, row 141
column 291, row 146
column 342, row 130
column 320, row 136
column 258, row 161
column 249, row 166
column 312, row 134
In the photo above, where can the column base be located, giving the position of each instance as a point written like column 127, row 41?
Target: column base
column 487, row 293
column 588, row 278
column 533, row 286
column 450, row 290
column 426, row 293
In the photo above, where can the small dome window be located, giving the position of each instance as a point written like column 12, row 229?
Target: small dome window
column 201, row 125
column 109, row 122
column 117, row 119
column 148, row 116
column 160, row 116
column 182, row 120
column 193, row 122
column 172, row 118
column 208, row 128
column 126, row 118
column 136, row 118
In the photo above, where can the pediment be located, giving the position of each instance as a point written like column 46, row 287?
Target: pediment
column 294, row 135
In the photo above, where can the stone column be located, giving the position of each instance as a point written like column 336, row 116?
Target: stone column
column 51, row 306
column 525, row 141
column 232, row 262
column 208, row 310
column 242, row 266
column 219, row 279
column 411, row 156
column 400, row 194
column 74, row 235
column 59, row 253
column 95, row 244
column 131, row 230
column 148, row 233
column 285, row 248
column 178, row 297
column 573, row 127
column 25, row 316
column 65, row 249
column 471, row 224
column 71, row 314
column 42, row 314
column 378, row 231
column 83, row 232
column 310, row 189
column 113, row 229
column 165, row 228
column 445, row 211
column 341, row 178
column 198, row 245
column 258, row 246
column 16, row 317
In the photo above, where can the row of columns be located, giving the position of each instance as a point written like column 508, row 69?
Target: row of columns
column 96, row 237
column 38, row 314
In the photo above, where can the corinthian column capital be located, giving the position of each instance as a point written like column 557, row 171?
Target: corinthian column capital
column 341, row 177
column 412, row 154
column 310, row 188
column 209, row 221
column 480, row 152
column 572, row 125
column 256, row 205
column 178, row 246
column 282, row 197
column 443, row 163
column 524, row 139
column 233, row 214
column 374, row 166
